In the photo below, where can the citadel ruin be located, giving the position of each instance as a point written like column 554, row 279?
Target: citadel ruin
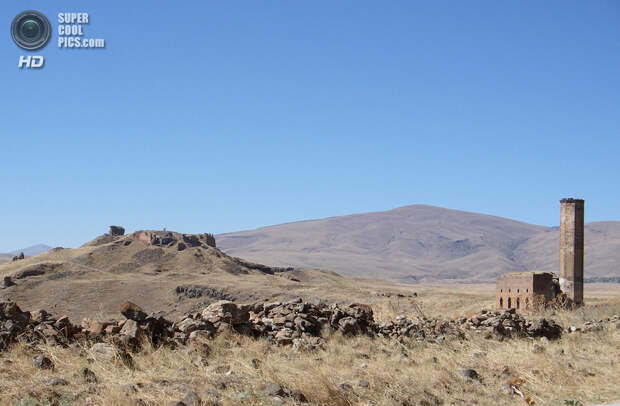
column 529, row 290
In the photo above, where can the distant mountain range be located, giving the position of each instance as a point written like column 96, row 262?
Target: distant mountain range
column 32, row 250
column 28, row 251
column 416, row 243
column 422, row 243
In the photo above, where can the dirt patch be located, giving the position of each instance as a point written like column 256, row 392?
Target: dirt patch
column 125, row 267
column 59, row 275
column 148, row 255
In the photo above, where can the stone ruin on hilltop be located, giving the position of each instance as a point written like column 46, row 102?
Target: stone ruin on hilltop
column 160, row 238
column 169, row 238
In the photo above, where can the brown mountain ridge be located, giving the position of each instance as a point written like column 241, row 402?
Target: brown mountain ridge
column 422, row 243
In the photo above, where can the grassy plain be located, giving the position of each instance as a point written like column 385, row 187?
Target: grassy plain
column 579, row 369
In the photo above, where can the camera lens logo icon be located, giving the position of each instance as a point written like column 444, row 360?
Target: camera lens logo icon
column 31, row 30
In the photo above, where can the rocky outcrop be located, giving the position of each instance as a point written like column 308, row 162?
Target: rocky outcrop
column 209, row 239
column 116, row 231
column 19, row 257
column 6, row 282
column 36, row 270
column 13, row 321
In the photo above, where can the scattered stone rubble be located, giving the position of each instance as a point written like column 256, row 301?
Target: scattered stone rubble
column 196, row 291
column 508, row 322
column 296, row 323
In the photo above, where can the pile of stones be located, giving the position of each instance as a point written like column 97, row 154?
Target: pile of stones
column 596, row 325
column 510, row 323
column 297, row 323
column 284, row 322
column 41, row 327
column 421, row 329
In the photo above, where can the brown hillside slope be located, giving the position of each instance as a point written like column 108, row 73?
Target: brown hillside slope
column 421, row 243
column 97, row 277
column 602, row 250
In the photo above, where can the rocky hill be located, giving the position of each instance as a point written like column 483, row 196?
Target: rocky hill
column 163, row 270
column 422, row 243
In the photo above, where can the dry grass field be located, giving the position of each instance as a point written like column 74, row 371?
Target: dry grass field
column 578, row 369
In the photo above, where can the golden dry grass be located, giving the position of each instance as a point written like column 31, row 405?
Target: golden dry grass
column 579, row 367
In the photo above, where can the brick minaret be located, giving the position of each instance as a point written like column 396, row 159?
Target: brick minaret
column 571, row 249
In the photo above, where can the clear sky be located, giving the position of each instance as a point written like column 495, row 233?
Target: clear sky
column 218, row 116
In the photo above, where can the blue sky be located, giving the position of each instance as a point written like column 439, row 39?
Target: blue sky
column 208, row 116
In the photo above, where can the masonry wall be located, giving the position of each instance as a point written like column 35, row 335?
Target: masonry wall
column 514, row 292
column 572, row 248
column 524, row 291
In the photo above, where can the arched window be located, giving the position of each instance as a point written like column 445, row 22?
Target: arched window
column 501, row 303
column 517, row 290
column 527, row 303
column 518, row 303
column 509, row 304
column 508, row 290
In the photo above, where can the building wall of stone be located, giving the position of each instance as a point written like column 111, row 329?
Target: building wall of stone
column 515, row 292
column 524, row 291
column 572, row 248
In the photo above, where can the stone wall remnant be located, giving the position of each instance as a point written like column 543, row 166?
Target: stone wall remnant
column 572, row 248
column 116, row 231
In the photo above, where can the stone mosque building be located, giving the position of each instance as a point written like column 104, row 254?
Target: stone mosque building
column 528, row 290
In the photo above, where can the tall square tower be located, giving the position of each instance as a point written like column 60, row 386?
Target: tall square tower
column 571, row 249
